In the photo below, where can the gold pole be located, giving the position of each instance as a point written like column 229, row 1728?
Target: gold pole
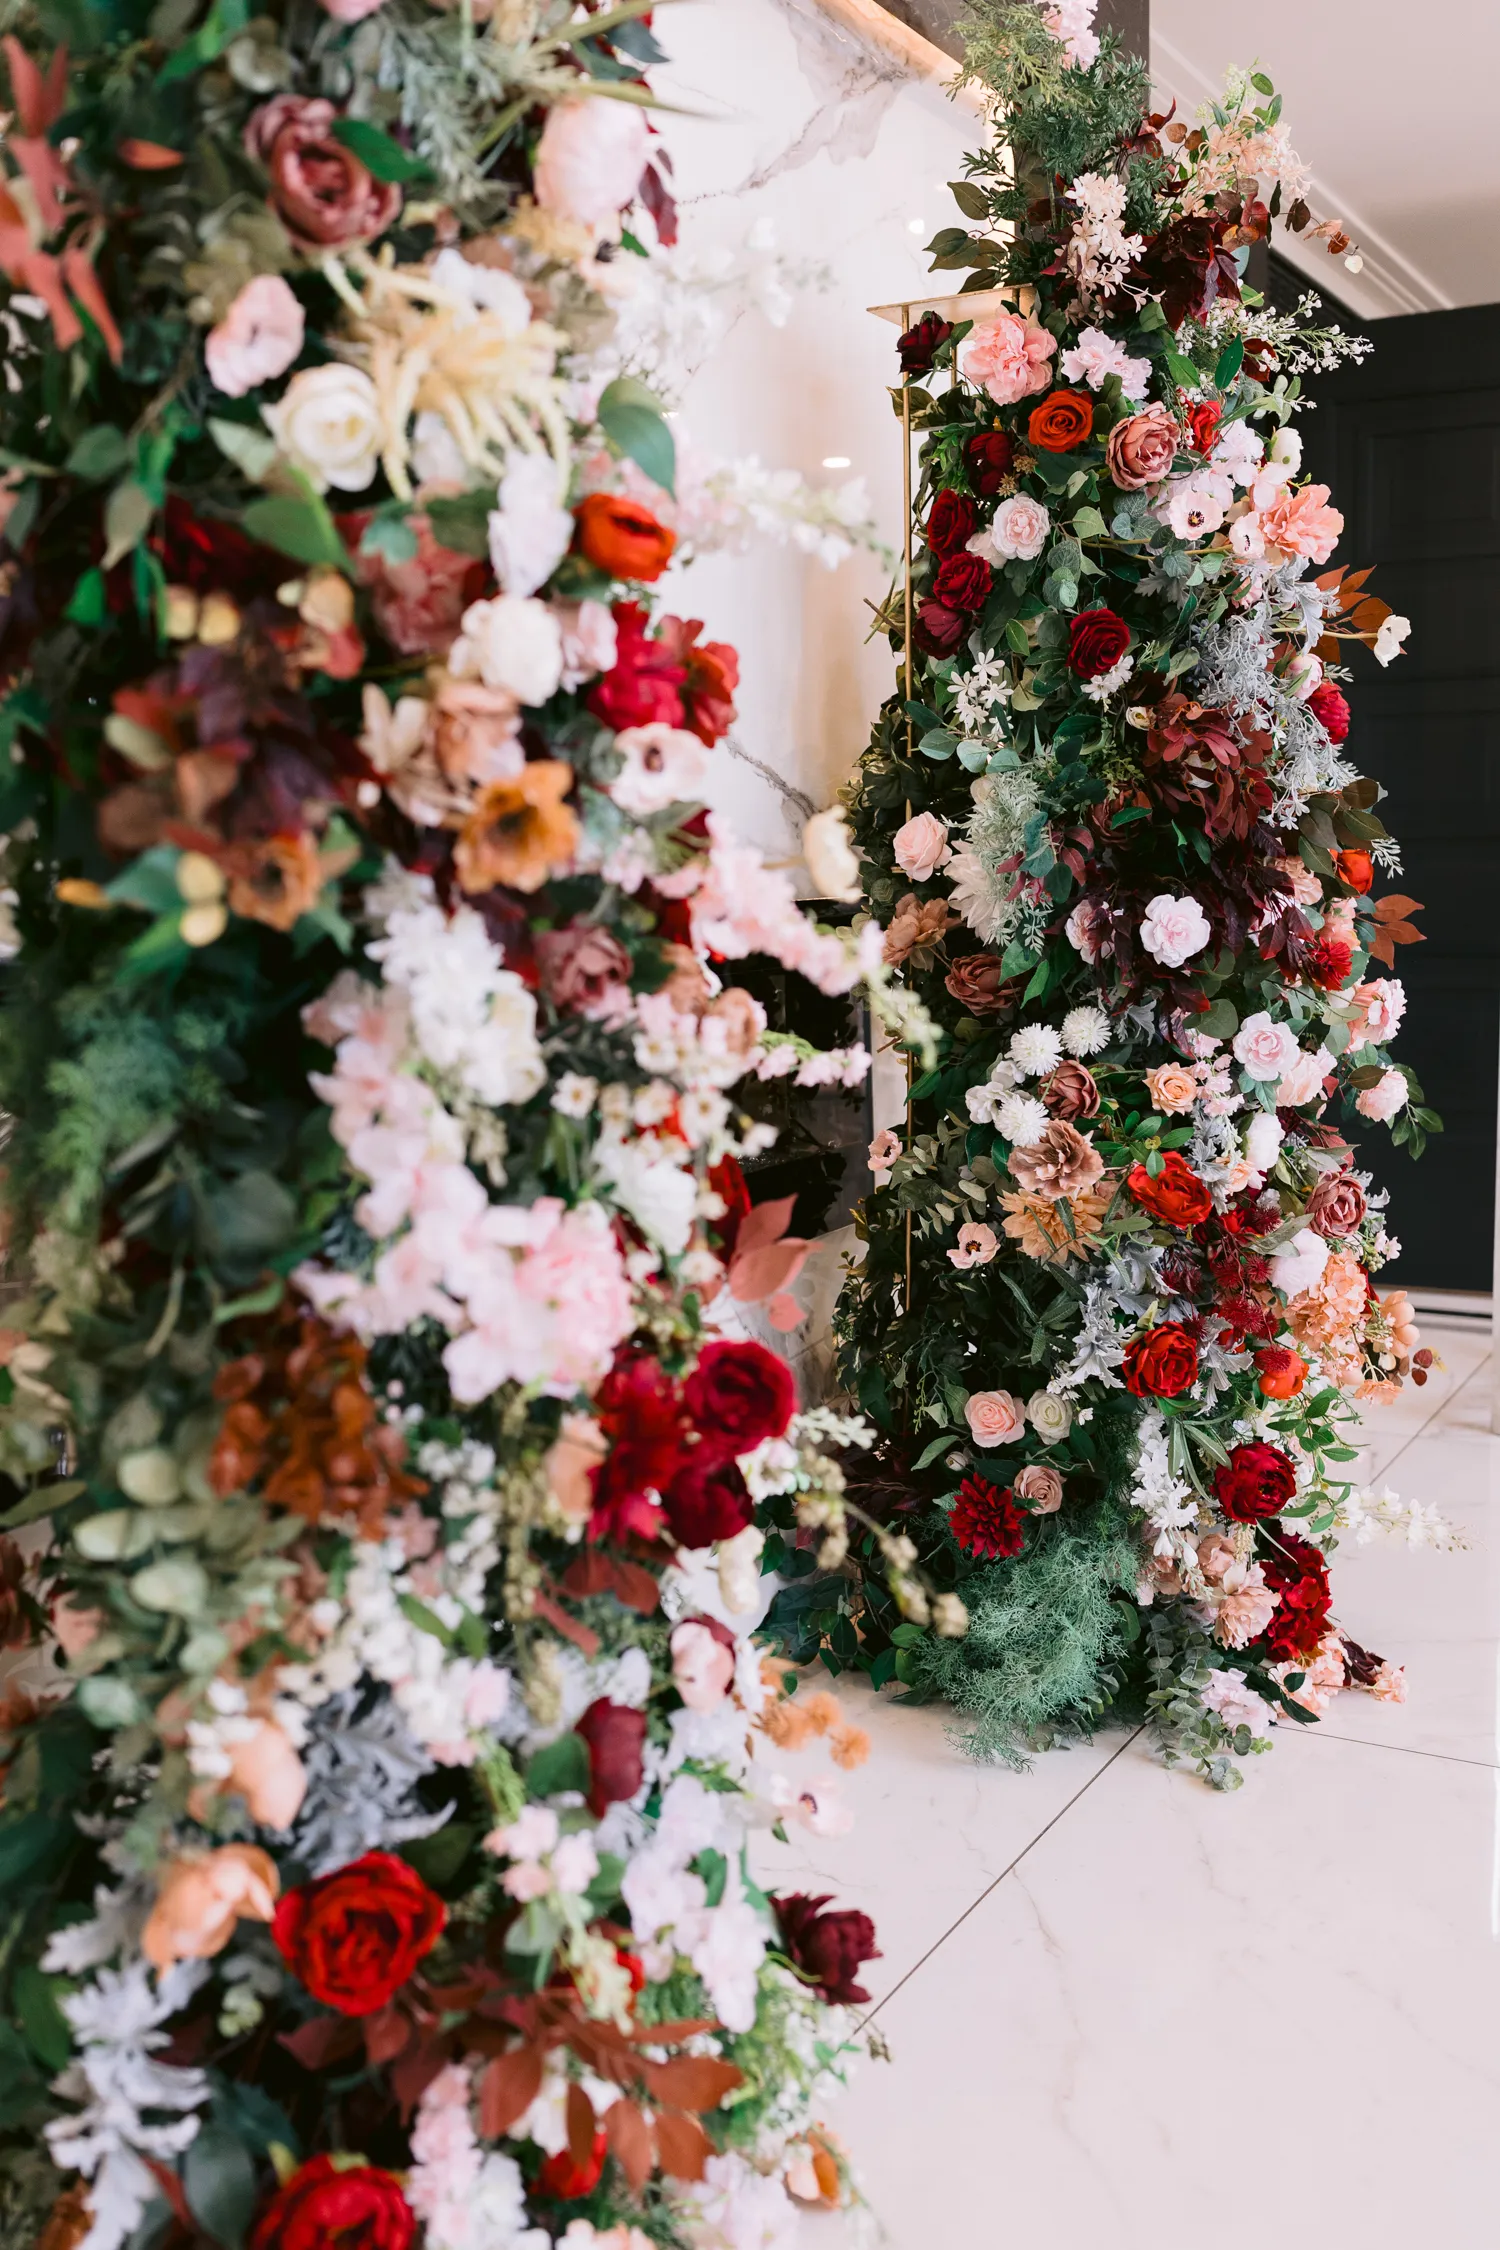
column 906, row 627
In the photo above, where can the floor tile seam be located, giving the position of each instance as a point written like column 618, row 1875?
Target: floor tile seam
column 1324, row 1733
column 1004, row 1875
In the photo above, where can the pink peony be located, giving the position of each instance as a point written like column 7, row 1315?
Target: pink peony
column 1007, row 357
column 1302, row 1081
column 921, row 846
column 1302, row 523
column 258, row 339
column 590, row 159
column 1174, row 929
column 1381, row 1101
column 976, row 1246
column 993, row 1416
column 702, row 1664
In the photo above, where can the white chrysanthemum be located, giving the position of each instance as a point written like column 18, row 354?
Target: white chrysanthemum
column 1022, row 1119
column 1036, row 1048
column 1085, row 1031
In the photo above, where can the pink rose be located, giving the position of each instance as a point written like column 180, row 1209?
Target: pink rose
column 419, row 603
column 1375, row 1012
column 1265, row 1050
column 976, row 1246
column 1302, row 1081
column 583, row 968
column 921, row 846
column 590, row 159
column 993, row 1416
column 702, row 1662
column 1381, row 1101
column 319, row 187
column 258, row 338
column 1040, row 1488
column 1140, row 450
column 1017, row 532
column 1174, row 929
column 1007, row 357
column 1302, row 523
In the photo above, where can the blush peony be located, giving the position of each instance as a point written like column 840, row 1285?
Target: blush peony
column 1007, row 357
column 1265, row 1050
column 589, row 160
column 1174, row 929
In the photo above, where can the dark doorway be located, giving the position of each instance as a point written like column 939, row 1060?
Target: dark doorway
column 1410, row 443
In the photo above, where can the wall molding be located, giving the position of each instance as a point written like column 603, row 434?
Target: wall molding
column 1389, row 283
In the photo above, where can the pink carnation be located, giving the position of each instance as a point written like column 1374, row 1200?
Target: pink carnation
column 1007, row 357
column 1302, row 523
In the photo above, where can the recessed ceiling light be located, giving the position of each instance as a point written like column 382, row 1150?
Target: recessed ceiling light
column 835, row 460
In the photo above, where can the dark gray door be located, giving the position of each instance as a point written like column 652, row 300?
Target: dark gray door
column 1410, row 443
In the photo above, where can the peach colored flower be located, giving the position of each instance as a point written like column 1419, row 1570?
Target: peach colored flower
column 1216, row 1555
column 201, row 1897
column 577, row 1450
column 993, row 1416
column 258, row 338
column 1040, row 1487
column 702, row 1665
column 267, row 1772
column 1322, row 1679
column 921, row 846
column 1173, row 1089
column 276, row 881
column 1039, row 1226
column 520, row 832
column 1247, row 1608
column 848, row 1746
column 1302, row 523
column 1064, row 1162
column 1389, row 1683
column 977, row 1244
column 1381, row 1102
column 916, row 927
column 1375, row 1011
column 474, row 732
column 1007, row 357
column 1307, row 888
column 884, row 1150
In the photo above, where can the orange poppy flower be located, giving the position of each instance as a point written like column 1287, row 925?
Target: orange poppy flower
column 519, row 832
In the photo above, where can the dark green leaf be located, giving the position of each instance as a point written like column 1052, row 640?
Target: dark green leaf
column 382, row 157
column 563, row 1764
column 302, row 529
column 630, row 416
column 99, row 453
column 461, row 522
column 218, row 2179
column 1231, row 360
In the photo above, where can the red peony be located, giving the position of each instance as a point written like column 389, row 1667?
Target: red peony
column 951, row 523
column 1296, row 1572
column 1162, row 1362
column 827, row 1949
column 562, row 2178
column 1096, row 642
column 918, row 344
column 962, row 582
column 707, row 1499
column 616, row 1738
column 325, row 2208
column 1176, row 1196
column 1060, row 422
column 354, row 1937
column 986, row 1521
column 938, row 628
column 739, row 1394
column 1203, row 423
column 989, row 455
column 645, row 687
column 713, row 674
column 622, row 538
column 1256, row 1481
column 1330, row 707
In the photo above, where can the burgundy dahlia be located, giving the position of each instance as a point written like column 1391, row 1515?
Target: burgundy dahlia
column 827, row 1949
column 986, row 1521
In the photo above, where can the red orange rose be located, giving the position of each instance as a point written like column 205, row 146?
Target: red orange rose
column 1060, row 422
column 1176, row 1196
column 1161, row 1363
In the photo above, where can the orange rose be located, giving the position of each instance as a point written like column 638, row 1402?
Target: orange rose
column 1173, row 1089
column 622, row 538
column 1060, row 422
column 201, row 1897
column 519, row 831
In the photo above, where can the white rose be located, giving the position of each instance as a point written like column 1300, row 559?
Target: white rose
column 1265, row 1050
column 1050, row 1416
column 1390, row 637
column 1299, row 1264
column 830, row 857
column 327, row 423
column 1174, row 929
column 514, row 643
column 530, row 531
column 1263, row 1138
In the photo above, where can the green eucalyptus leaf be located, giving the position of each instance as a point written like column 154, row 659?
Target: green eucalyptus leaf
column 630, row 415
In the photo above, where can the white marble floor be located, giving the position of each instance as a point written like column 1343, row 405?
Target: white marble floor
column 1123, row 2008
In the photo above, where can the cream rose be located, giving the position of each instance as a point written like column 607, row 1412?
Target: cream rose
column 327, row 423
column 1050, row 1416
column 993, row 1416
column 514, row 643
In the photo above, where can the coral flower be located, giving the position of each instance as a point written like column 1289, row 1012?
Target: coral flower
column 520, row 832
column 201, row 1897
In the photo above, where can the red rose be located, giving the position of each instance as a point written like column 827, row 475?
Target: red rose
column 989, row 455
column 828, row 1949
column 1060, row 422
column 319, row 187
column 950, row 526
column 645, row 687
column 938, row 629
column 622, row 538
column 1356, row 868
column 739, row 1394
column 713, row 674
column 707, row 1499
column 1162, row 1362
column 616, row 1738
column 962, row 582
column 1096, row 642
column 1296, row 1572
column 1176, row 1195
column 324, row 2208
column 562, row 2178
column 1330, row 707
column 986, row 1521
column 1203, row 424
column 640, row 1410
column 1257, row 1481
column 917, row 345
column 354, row 1937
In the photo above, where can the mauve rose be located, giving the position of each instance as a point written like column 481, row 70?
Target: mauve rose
column 1040, row 1487
column 921, row 846
column 963, row 582
column 939, row 629
column 1139, row 450
column 319, row 187
column 582, row 967
column 951, row 523
column 1063, row 1162
column 419, row 603
column 616, row 1738
column 978, row 983
column 1336, row 1205
column 1071, row 1091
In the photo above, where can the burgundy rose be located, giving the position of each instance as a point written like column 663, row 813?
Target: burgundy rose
column 963, row 582
column 938, row 629
column 1336, row 1205
column 918, row 344
column 1071, row 1092
column 355, row 2207
column 582, row 967
column 1330, row 707
column 951, row 523
column 989, row 455
column 827, row 1949
column 354, row 1937
column 1140, row 450
column 645, row 687
column 707, row 1499
column 1175, row 1195
column 1096, row 642
column 739, row 1394
column 978, row 983
column 319, row 187
column 1257, row 1481
column 616, row 1739
column 1161, row 1363
column 986, row 1521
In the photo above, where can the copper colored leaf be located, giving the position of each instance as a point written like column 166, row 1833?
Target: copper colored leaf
column 386, row 2034
column 596, row 1573
column 1396, row 907
column 571, row 1628
column 632, row 2141
column 413, row 2072
column 690, row 2081
column 508, row 2088
column 322, row 2040
column 683, row 2148
column 582, row 2124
